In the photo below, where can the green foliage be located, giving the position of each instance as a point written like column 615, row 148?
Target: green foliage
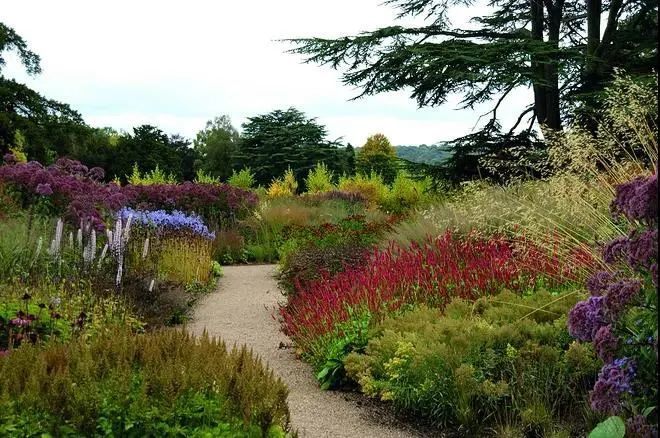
column 43, row 323
column 244, row 179
column 407, row 194
column 202, row 177
column 155, row 176
column 150, row 147
column 216, row 145
column 371, row 187
column 612, row 427
column 310, row 253
column 319, row 179
column 160, row 384
column 328, row 352
column 501, row 358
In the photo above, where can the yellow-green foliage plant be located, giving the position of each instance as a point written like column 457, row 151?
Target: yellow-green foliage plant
column 180, row 258
column 504, row 360
column 285, row 186
column 319, row 179
column 202, row 177
column 407, row 194
column 164, row 383
column 185, row 260
column 244, row 179
column 156, row 176
column 371, row 187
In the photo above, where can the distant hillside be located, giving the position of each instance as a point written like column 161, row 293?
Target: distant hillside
column 422, row 153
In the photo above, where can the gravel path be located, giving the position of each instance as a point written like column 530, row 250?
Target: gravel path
column 240, row 311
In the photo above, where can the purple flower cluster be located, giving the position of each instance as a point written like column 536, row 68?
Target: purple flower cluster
column 600, row 318
column 606, row 343
column 620, row 294
column 77, row 193
column 176, row 220
column 214, row 202
column 639, row 249
column 614, row 380
column 586, row 318
column 639, row 427
column 74, row 190
column 638, row 199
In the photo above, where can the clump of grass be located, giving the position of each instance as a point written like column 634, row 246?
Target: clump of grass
column 145, row 385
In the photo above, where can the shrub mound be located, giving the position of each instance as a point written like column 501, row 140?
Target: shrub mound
column 504, row 359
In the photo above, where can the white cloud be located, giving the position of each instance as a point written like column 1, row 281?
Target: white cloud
column 176, row 64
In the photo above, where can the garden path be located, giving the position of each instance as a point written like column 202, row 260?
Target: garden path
column 241, row 311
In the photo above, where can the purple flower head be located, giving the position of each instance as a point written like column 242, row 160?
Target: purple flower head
column 44, row 189
column 586, row 317
column 9, row 158
column 638, row 199
column 614, row 380
column 620, row 294
column 606, row 343
column 598, row 283
column 96, row 173
column 20, row 322
column 642, row 248
column 615, row 250
column 638, row 427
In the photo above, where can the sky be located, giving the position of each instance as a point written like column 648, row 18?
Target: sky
column 177, row 64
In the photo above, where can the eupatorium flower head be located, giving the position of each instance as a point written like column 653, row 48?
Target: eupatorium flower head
column 614, row 380
column 606, row 343
column 620, row 294
column 638, row 199
column 586, row 318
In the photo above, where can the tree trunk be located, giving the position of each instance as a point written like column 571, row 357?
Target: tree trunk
column 540, row 106
column 593, row 37
column 553, row 114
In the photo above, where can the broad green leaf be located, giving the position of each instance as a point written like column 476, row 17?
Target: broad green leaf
column 613, row 427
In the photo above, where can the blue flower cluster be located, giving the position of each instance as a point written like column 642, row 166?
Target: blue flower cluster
column 175, row 220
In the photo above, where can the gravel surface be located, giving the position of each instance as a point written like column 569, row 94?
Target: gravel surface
column 241, row 312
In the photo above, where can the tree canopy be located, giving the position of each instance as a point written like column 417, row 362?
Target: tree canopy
column 556, row 47
column 271, row 143
column 216, row 145
column 377, row 155
column 48, row 127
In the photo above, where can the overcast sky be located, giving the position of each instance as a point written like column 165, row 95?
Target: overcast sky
column 176, row 64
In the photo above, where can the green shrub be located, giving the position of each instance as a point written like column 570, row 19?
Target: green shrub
column 310, row 253
column 406, row 194
column 502, row 360
column 202, row 177
column 371, row 187
column 243, row 179
column 156, row 176
column 160, row 384
column 319, row 179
